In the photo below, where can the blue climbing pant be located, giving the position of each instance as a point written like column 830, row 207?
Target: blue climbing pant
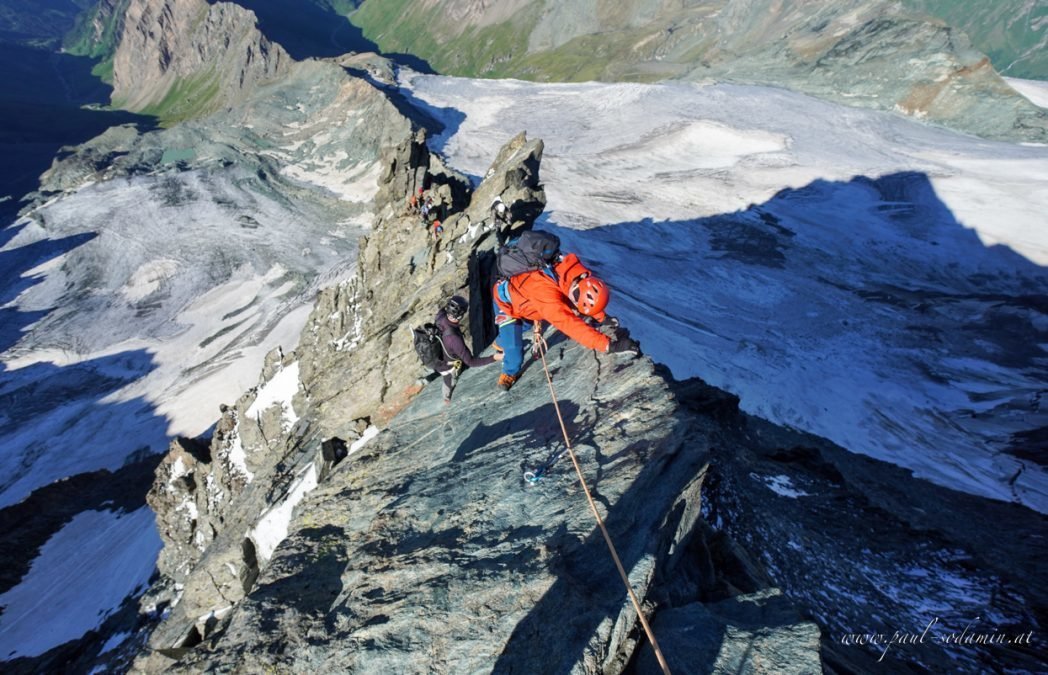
column 511, row 341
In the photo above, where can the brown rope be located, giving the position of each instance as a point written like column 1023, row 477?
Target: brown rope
column 596, row 514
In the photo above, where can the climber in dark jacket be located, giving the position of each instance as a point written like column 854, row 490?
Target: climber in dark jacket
column 457, row 354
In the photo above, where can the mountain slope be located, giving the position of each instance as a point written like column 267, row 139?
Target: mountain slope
column 183, row 58
column 142, row 286
column 871, row 54
column 1014, row 35
column 97, row 33
column 842, row 271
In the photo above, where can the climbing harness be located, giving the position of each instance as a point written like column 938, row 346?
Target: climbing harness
column 596, row 514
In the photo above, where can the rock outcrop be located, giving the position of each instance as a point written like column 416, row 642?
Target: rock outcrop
column 356, row 351
column 181, row 58
column 201, row 493
column 426, row 550
column 867, row 550
column 436, row 503
column 222, row 512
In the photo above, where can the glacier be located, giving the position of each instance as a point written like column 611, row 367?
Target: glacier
column 846, row 272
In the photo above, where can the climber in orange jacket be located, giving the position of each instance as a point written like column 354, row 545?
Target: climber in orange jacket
column 561, row 292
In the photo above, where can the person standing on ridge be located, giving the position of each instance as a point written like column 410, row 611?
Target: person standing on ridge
column 537, row 283
column 457, row 354
column 500, row 220
column 425, row 209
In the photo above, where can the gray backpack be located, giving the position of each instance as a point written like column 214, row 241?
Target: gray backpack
column 532, row 250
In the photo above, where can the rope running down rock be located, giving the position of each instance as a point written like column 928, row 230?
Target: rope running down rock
column 596, row 514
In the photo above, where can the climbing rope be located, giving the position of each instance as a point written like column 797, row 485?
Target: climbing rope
column 596, row 514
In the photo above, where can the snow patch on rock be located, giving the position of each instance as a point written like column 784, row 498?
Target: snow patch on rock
column 237, row 456
column 278, row 392
column 780, row 485
column 273, row 526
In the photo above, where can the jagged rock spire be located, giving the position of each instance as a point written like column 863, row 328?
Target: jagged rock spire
column 180, row 58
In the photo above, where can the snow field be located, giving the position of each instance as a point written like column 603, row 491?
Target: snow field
column 824, row 263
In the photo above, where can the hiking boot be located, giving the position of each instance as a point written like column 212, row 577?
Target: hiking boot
column 506, row 381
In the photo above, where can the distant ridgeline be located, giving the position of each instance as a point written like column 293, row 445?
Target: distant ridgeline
column 944, row 56
column 840, row 51
column 1013, row 34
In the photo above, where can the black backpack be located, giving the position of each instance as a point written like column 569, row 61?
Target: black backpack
column 429, row 346
column 531, row 251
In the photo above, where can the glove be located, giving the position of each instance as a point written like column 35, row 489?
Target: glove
column 609, row 327
column 624, row 345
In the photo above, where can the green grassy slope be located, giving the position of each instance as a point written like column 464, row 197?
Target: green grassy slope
column 403, row 26
column 188, row 98
column 1013, row 33
column 82, row 39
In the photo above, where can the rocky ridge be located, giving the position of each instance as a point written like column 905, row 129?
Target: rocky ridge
column 435, row 503
column 299, row 537
column 278, row 188
column 409, row 541
column 351, row 330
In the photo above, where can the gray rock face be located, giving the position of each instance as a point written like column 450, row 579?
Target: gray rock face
column 279, row 184
column 867, row 550
column 222, row 518
column 426, row 550
column 197, row 486
column 756, row 633
column 356, row 350
column 181, row 485
column 421, row 548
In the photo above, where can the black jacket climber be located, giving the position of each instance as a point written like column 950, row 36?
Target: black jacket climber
column 457, row 353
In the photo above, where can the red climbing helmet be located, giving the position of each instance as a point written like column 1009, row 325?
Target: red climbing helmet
column 590, row 296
